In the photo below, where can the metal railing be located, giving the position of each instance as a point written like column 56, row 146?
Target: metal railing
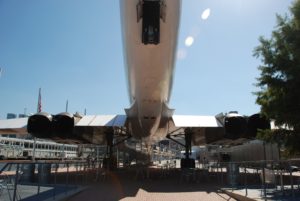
column 44, row 180
column 271, row 178
column 51, row 179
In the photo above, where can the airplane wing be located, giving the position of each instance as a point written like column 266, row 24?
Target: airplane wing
column 66, row 128
column 205, row 129
column 94, row 128
column 69, row 129
column 196, row 121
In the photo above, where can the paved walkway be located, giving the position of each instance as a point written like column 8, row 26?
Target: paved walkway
column 127, row 188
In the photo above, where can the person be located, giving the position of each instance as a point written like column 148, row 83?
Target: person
column 93, row 162
column 88, row 160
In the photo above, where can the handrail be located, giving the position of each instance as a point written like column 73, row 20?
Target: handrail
column 5, row 166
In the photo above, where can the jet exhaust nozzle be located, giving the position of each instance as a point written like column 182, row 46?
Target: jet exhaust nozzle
column 235, row 126
column 63, row 125
column 39, row 125
column 257, row 122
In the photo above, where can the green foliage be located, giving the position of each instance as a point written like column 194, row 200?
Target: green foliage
column 279, row 81
column 288, row 138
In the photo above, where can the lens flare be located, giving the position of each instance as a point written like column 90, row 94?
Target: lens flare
column 189, row 41
column 181, row 54
column 205, row 14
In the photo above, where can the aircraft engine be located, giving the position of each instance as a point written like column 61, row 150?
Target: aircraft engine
column 39, row 125
column 235, row 126
column 63, row 125
column 256, row 122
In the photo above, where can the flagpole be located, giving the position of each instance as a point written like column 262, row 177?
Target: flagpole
column 39, row 109
column 67, row 105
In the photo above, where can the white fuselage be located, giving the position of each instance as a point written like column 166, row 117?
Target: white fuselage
column 149, row 68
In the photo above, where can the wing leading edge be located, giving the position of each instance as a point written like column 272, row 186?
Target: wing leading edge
column 204, row 129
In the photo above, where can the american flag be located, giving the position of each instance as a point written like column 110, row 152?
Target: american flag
column 39, row 106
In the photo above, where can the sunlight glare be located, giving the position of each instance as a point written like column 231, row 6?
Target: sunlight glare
column 205, row 14
column 189, row 41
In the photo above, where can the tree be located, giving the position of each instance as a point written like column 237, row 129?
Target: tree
column 279, row 81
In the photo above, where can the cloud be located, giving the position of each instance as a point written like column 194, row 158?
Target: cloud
column 205, row 14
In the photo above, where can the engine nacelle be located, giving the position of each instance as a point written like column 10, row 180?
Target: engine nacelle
column 256, row 122
column 235, row 126
column 40, row 125
column 63, row 125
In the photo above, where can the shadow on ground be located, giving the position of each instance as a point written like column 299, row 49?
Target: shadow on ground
column 117, row 186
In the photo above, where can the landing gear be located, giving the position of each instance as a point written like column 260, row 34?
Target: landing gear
column 186, row 162
column 110, row 161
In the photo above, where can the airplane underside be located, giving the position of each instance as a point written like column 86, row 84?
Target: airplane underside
column 150, row 31
column 112, row 130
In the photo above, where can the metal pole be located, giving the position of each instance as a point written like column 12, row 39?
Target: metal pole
column 231, row 175
column 246, row 187
column 76, row 178
column 281, row 182
column 264, row 173
column 222, row 175
column 54, row 190
column 16, row 182
column 67, row 105
column 291, row 179
column 67, row 179
column 33, row 151
column 83, row 172
column 40, row 168
column 117, row 157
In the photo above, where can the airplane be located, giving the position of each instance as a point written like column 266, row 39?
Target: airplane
column 149, row 31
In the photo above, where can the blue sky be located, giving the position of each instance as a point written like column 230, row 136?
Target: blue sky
column 72, row 49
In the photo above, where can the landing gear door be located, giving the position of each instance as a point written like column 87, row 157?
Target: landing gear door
column 151, row 22
column 139, row 11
